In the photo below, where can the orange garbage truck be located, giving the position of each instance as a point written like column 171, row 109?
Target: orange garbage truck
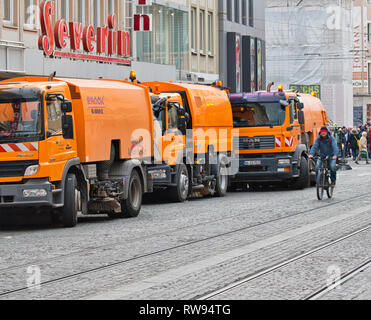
column 276, row 132
column 192, row 136
column 66, row 145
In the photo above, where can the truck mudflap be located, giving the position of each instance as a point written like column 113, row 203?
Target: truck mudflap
column 274, row 168
column 32, row 193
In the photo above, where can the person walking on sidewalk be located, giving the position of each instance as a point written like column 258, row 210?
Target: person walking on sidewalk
column 353, row 141
column 363, row 148
column 327, row 147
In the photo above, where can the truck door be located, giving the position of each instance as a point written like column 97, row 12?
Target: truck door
column 296, row 128
column 173, row 140
column 59, row 149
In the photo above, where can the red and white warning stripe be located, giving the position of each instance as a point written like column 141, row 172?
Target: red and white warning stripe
column 289, row 142
column 278, row 143
column 19, row 147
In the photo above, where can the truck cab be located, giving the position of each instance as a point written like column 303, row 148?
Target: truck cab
column 271, row 142
column 65, row 147
column 191, row 119
column 34, row 148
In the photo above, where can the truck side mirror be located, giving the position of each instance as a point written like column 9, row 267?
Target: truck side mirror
column 284, row 104
column 300, row 106
column 66, row 106
column 301, row 117
column 67, row 126
column 182, row 122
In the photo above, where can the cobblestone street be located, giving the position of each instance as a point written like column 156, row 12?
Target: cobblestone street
column 270, row 244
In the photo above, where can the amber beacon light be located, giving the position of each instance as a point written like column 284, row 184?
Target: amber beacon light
column 133, row 75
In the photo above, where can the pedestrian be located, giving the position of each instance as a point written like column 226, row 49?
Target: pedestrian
column 353, row 141
column 342, row 141
column 362, row 148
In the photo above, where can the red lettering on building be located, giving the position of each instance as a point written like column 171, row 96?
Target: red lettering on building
column 60, row 32
column 142, row 22
column 118, row 42
column 88, row 37
column 123, row 43
column 75, row 35
column 46, row 40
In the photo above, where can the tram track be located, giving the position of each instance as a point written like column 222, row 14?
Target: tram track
column 286, row 262
column 344, row 278
column 112, row 265
column 109, row 245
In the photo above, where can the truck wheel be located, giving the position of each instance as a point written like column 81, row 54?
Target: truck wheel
column 131, row 206
column 69, row 211
column 181, row 191
column 303, row 181
column 221, row 180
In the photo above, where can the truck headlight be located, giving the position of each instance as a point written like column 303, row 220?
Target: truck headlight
column 158, row 174
column 34, row 193
column 284, row 162
column 31, row 170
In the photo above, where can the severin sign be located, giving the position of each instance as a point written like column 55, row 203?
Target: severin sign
column 90, row 40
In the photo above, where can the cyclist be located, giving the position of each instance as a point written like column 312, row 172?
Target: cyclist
column 327, row 147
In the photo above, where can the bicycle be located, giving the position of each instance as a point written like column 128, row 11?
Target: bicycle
column 323, row 180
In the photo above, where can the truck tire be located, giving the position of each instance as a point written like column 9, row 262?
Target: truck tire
column 131, row 206
column 69, row 210
column 181, row 191
column 303, row 181
column 221, row 186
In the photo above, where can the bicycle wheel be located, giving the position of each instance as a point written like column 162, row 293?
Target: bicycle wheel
column 320, row 185
column 329, row 189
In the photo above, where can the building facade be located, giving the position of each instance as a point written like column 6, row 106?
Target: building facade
column 80, row 38
column 73, row 54
column 361, row 62
column 242, row 44
column 309, row 48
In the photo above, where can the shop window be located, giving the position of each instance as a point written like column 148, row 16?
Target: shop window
column 170, row 40
column 237, row 11
column 194, row 27
column 9, row 12
column 65, row 8
column 97, row 13
column 111, row 6
column 202, row 31
column 30, row 13
column 229, row 10
column 244, row 12
column 81, row 11
column 210, row 24
column 251, row 13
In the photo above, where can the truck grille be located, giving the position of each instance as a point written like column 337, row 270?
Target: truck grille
column 255, row 143
column 15, row 168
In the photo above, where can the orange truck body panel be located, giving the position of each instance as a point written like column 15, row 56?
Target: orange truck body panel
column 104, row 111
column 210, row 110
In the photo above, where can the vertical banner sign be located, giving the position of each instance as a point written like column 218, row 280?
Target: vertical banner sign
column 143, row 22
column 238, row 63
column 365, row 47
column 252, row 61
column 357, row 47
column 259, row 56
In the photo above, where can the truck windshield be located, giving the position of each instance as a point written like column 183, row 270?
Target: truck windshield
column 20, row 120
column 258, row 115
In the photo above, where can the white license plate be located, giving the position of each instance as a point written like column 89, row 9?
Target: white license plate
column 252, row 163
